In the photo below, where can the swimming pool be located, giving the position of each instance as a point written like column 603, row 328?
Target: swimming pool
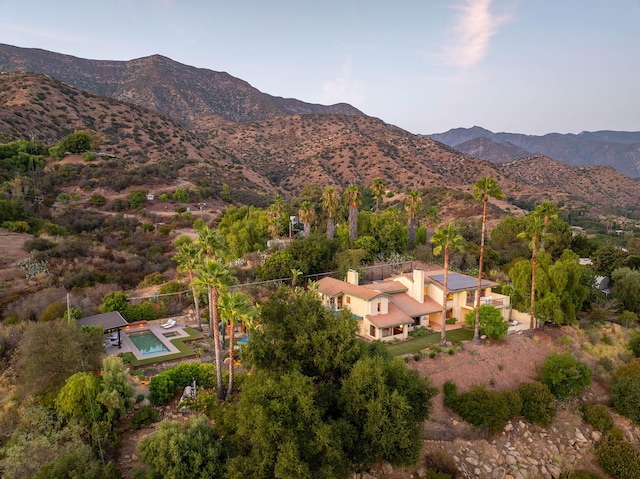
column 147, row 342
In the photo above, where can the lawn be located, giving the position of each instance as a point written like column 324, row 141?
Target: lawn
column 414, row 345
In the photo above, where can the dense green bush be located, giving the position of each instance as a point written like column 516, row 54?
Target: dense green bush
column 146, row 311
column 145, row 416
column 580, row 474
column 565, row 375
column 597, row 416
column 491, row 321
column 625, row 390
column 483, row 409
column 634, row 343
column 514, row 402
column 619, row 458
column 538, row 404
column 165, row 385
column 450, row 393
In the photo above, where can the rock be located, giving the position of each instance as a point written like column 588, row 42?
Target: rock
column 554, row 470
column 498, row 473
column 477, row 471
column 596, row 435
column 579, row 436
column 387, row 468
column 471, row 461
column 508, row 427
column 421, row 472
column 510, row 460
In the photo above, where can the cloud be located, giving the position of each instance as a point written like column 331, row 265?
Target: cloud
column 344, row 88
column 474, row 28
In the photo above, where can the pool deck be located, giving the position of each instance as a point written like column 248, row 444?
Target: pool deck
column 127, row 345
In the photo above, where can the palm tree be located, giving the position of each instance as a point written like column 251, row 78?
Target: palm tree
column 412, row 206
column 431, row 219
column 548, row 211
column 295, row 274
column 445, row 240
column 352, row 195
column 330, row 201
column 307, row 214
column 273, row 219
column 534, row 233
column 483, row 189
column 378, row 188
column 235, row 307
column 212, row 242
column 215, row 276
column 189, row 257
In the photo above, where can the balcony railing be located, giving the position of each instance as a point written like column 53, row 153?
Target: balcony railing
column 497, row 302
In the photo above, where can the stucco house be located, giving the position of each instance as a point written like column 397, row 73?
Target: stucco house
column 390, row 309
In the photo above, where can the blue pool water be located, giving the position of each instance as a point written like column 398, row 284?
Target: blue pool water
column 147, row 342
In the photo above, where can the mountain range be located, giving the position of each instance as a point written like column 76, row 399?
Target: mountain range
column 618, row 149
column 209, row 128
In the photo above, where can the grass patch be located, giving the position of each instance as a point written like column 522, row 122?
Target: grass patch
column 184, row 350
column 415, row 345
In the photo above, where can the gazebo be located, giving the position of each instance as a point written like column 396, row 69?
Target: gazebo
column 110, row 322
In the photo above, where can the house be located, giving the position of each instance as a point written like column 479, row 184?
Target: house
column 390, row 309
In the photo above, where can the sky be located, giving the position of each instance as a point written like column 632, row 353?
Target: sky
column 519, row 66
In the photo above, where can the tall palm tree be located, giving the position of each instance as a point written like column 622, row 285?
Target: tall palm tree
column 483, row 189
column 330, row 201
column 189, row 257
column 431, row 219
column 412, row 205
column 378, row 187
column 273, row 219
column 214, row 276
column 235, row 307
column 352, row 195
column 534, row 233
column 212, row 242
column 445, row 240
column 306, row 214
column 549, row 212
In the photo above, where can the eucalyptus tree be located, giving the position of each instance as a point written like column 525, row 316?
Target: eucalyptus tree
column 353, row 196
column 484, row 189
column 378, row 187
column 445, row 240
column 412, row 206
column 189, row 258
column 235, row 308
column 307, row 215
column 330, row 201
column 215, row 276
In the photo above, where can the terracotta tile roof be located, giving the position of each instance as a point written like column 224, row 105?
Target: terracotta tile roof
column 395, row 317
column 334, row 287
column 387, row 287
column 412, row 307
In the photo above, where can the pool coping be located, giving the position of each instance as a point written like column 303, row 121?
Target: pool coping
column 127, row 345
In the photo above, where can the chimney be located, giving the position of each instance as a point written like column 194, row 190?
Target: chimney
column 417, row 291
column 353, row 277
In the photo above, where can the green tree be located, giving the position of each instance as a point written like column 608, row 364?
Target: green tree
column 245, row 229
column 330, row 202
column 179, row 450
column 137, row 198
column 431, row 220
column 212, row 243
column 352, row 196
column 626, row 289
column 181, row 195
column 77, row 398
column 507, row 241
column 378, row 187
column 114, row 301
column 214, row 276
column 607, row 259
column 446, row 239
column 235, row 308
column 116, row 390
column 412, row 206
column 97, row 200
column 533, row 233
column 491, row 322
column 484, row 189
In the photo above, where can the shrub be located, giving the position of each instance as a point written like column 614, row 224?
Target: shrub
column 625, row 390
column 597, row 416
column 165, row 385
column 607, row 363
column 580, row 474
column 483, row 409
column 491, row 322
column 634, row 343
column 538, row 404
column 620, row 459
column 144, row 417
column 97, row 199
column 606, row 339
column 565, row 375
column 451, row 320
column 514, row 402
column 450, row 393
column 442, row 463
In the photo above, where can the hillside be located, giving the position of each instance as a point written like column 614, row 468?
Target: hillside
column 181, row 92
column 618, row 149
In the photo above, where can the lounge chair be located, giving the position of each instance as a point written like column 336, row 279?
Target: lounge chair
column 168, row 321
column 169, row 324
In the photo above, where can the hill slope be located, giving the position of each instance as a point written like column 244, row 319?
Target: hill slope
column 181, row 92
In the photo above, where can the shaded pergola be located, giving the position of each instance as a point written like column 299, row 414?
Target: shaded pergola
column 110, row 322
